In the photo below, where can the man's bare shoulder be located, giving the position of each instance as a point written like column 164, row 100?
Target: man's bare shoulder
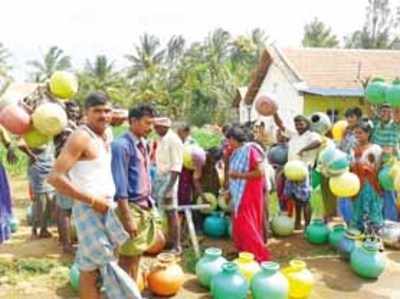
column 78, row 139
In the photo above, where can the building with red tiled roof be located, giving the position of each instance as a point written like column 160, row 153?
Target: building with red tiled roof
column 307, row 80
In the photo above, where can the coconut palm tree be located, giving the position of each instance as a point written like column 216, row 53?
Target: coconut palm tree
column 101, row 69
column 53, row 60
column 217, row 46
column 146, row 56
column 175, row 49
column 100, row 75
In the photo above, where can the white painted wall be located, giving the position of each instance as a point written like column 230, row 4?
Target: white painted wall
column 290, row 101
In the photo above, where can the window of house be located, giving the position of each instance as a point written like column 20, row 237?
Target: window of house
column 333, row 115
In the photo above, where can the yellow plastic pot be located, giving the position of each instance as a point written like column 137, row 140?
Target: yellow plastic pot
column 296, row 170
column 345, row 185
column 63, row 85
column 248, row 266
column 338, row 130
column 301, row 280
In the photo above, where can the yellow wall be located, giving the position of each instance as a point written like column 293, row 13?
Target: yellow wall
column 314, row 103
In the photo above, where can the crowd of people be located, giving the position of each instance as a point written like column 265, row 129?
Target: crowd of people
column 117, row 190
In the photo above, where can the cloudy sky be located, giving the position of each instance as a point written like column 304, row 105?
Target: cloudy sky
column 85, row 28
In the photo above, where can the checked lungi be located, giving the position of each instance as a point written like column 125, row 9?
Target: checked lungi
column 99, row 236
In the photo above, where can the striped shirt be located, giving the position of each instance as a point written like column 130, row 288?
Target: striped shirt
column 385, row 135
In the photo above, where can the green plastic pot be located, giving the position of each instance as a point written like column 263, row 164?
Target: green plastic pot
column 269, row 283
column 282, row 225
column 315, row 179
column 376, row 91
column 215, row 225
column 334, row 163
column 209, row 265
column 349, row 242
column 74, row 277
column 385, row 179
column 14, row 224
column 317, row 232
column 393, row 94
column 326, row 155
column 336, row 234
column 367, row 261
column 229, row 283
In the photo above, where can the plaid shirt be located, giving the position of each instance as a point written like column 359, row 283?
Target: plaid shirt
column 385, row 135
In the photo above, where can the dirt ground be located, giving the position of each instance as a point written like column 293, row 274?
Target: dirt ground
column 334, row 278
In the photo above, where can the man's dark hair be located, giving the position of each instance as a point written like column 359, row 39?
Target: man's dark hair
column 237, row 133
column 304, row 119
column 185, row 127
column 142, row 110
column 353, row 111
column 73, row 111
column 215, row 153
column 385, row 105
column 366, row 127
column 96, row 99
column 225, row 129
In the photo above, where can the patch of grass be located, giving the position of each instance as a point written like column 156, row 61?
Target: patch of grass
column 35, row 266
column 14, row 169
column 189, row 260
column 5, row 267
column 60, row 275
column 24, row 269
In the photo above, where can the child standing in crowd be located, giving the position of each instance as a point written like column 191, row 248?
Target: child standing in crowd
column 347, row 144
column 40, row 164
column 282, row 142
column 321, row 124
column 303, row 145
column 349, row 141
column 39, row 167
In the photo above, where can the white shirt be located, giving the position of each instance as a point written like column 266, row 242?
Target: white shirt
column 94, row 177
column 374, row 150
column 298, row 142
column 169, row 153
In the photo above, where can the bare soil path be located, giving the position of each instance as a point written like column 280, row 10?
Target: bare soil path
column 37, row 269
